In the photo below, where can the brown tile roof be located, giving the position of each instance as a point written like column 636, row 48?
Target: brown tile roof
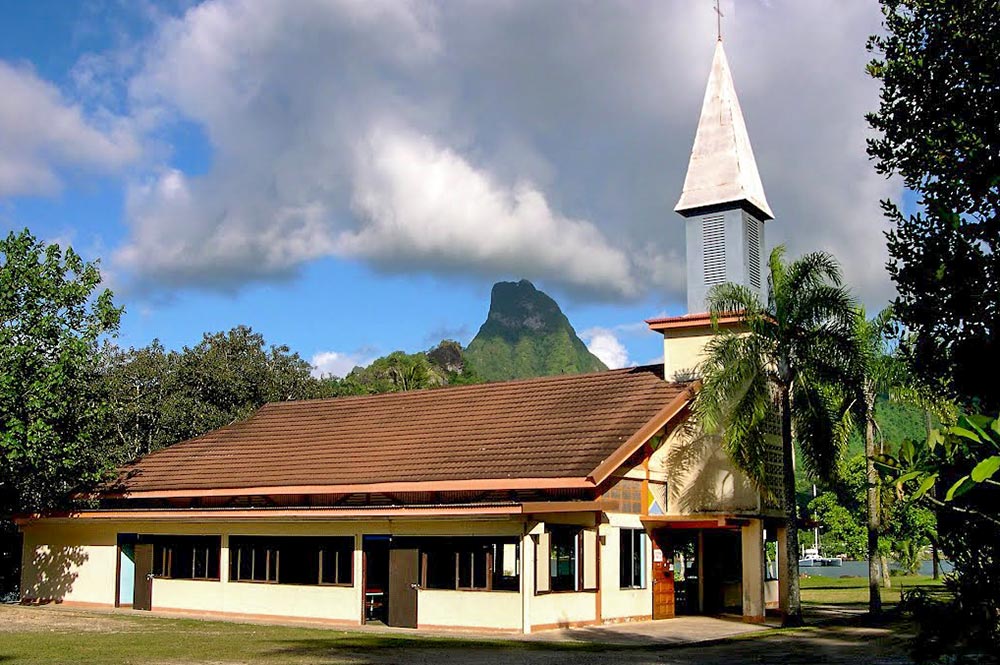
column 693, row 321
column 550, row 428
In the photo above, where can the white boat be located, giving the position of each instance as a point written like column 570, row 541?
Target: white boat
column 812, row 559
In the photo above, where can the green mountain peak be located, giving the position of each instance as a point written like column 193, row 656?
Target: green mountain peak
column 527, row 335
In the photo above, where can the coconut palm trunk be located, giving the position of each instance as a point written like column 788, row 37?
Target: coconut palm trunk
column 790, row 590
column 874, row 523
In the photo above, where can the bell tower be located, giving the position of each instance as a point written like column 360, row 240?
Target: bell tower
column 723, row 199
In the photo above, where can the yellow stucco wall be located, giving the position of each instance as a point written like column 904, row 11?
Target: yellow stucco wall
column 682, row 352
column 499, row 610
column 320, row 602
column 69, row 562
column 700, row 476
column 618, row 603
column 72, row 560
column 563, row 608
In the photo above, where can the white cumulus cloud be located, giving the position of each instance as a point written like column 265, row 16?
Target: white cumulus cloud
column 42, row 132
column 336, row 363
column 604, row 343
column 492, row 140
column 423, row 205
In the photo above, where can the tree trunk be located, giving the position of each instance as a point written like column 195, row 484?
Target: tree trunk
column 886, row 578
column 935, row 555
column 793, row 617
column 874, row 522
column 935, row 559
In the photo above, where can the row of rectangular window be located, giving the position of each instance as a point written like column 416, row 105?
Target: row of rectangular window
column 447, row 563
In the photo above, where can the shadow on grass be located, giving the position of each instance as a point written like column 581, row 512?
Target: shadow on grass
column 354, row 642
column 840, row 643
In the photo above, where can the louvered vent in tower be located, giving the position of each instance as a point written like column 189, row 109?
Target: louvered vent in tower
column 753, row 251
column 713, row 239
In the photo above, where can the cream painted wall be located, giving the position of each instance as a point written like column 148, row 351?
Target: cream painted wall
column 69, row 562
column 470, row 609
column 563, row 608
column 682, row 351
column 700, row 476
column 320, row 602
column 618, row 603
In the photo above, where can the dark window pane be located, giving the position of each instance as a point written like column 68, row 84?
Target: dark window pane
column 480, row 563
column 440, row 567
column 632, row 558
column 465, row 566
column 185, row 557
column 564, row 558
column 292, row 560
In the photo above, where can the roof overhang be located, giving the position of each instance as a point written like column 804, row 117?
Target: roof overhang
column 691, row 322
column 466, row 511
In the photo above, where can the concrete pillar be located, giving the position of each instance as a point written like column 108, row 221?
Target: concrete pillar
column 359, row 576
column 223, row 559
column 752, row 538
column 527, row 579
column 783, row 570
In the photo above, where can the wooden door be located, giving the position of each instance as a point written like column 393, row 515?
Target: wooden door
column 404, row 577
column 663, row 577
column 142, row 598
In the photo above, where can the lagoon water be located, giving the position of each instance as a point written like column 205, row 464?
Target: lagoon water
column 860, row 569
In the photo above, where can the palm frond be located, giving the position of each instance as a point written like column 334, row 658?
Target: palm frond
column 734, row 401
column 822, row 424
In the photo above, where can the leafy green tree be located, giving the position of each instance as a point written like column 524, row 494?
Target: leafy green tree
column 909, row 530
column 938, row 127
column 139, row 388
column 51, row 322
column 842, row 533
column 792, row 352
column 962, row 463
column 444, row 365
column 396, row 372
column 157, row 397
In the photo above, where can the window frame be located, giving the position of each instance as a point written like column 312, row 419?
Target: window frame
column 576, row 538
column 307, row 547
column 633, row 534
column 169, row 548
column 482, row 575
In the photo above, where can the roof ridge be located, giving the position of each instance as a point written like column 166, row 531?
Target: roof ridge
column 556, row 378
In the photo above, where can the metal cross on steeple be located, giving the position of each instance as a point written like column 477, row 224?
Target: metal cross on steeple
column 718, row 19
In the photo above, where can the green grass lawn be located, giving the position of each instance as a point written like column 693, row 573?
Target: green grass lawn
column 854, row 590
column 68, row 636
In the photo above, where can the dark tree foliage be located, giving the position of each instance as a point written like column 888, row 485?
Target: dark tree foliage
column 956, row 470
column 939, row 129
column 51, row 321
column 157, row 397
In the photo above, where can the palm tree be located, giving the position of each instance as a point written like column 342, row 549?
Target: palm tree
column 878, row 372
column 792, row 353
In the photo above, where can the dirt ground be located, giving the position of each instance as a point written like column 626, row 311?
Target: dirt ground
column 61, row 635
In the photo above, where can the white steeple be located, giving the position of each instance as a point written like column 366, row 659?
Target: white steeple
column 723, row 198
column 722, row 168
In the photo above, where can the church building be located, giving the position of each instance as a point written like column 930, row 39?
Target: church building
column 512, row 507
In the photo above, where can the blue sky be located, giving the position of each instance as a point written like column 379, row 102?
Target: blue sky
column 350, row 178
